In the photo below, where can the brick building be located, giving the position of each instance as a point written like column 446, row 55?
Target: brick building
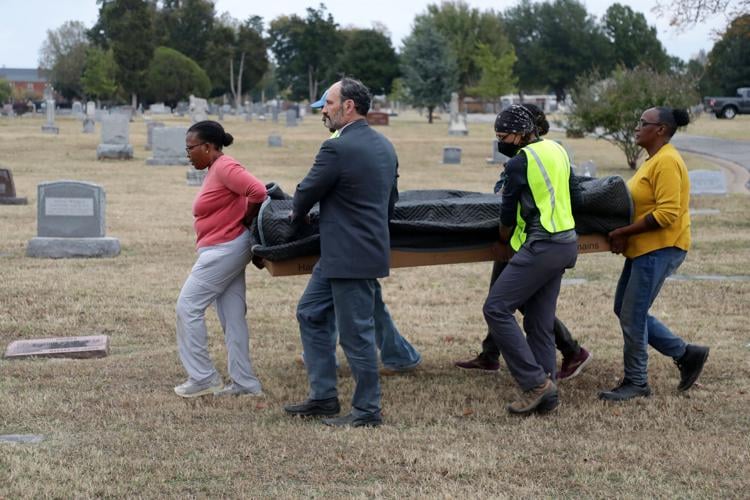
column 26, row 83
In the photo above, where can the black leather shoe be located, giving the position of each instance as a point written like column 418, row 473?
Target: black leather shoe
column 626, row 390
column 352, row 421
column 314, row 408
column 691, row 365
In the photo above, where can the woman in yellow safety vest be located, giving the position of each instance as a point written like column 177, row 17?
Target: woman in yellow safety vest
column 654, row 245
column 536, row 222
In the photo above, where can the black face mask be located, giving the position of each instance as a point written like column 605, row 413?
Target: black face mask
column 507, row 149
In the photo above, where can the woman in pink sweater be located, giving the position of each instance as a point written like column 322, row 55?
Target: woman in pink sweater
column 218, row 275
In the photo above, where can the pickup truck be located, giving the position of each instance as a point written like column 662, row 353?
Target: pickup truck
column 729, row 107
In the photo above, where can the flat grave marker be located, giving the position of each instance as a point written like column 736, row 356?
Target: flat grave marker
column 92, row 346
column 707, row 182
column 451, row 155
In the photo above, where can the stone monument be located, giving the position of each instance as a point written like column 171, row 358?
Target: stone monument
column 169, row 146
column 70, row 222
column 458, row 121
column 377, row 118
column 50, row 127
column 451, row 155
column 89, row 125
column 195, row 177
column 8, row 189
column 198, row 109
column 707, row 182
column 115, row 137
column 274, row 141
column 94, row 346
column 291, row 117
column 150, row 126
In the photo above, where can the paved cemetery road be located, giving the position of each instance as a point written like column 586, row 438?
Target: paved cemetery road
column 736, row 152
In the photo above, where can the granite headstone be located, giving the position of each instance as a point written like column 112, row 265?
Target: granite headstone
column 8, row 189
column 169, row 146
column 707, row 182
column 451, row 155
column 150, row 126
column 70, row 222
column 115, row 137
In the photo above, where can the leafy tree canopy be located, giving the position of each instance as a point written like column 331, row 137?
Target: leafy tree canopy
column 467, row 29
column 610, row 107
column 429, row 67
column 368, row 55
column 304, row 49
column 633, row 41
column 172, row 77
column 63, row 55
column 728, row 65
column 98, row 79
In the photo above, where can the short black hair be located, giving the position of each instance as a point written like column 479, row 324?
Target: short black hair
column 358, row 92
column 672, row 118
column 212, row 132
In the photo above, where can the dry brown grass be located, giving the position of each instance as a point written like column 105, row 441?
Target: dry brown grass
column 708, row 125
column 114, row 427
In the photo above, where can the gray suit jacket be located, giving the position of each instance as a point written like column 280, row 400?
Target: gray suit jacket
column 354, row 179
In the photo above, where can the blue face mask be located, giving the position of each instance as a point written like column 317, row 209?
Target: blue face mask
column 507, row 149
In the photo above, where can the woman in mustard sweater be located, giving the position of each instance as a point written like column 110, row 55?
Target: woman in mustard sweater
column 654, row 246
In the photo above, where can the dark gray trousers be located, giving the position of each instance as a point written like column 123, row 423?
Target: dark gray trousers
column 530, row 280
column 564, row 341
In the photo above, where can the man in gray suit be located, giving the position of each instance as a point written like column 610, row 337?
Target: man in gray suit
column 354, row 180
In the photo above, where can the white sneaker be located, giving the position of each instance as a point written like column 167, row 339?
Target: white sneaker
column 191, row 389
column 232, row 389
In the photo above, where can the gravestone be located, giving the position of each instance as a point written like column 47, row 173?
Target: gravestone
column 195, row 177
column 497, row 157
column 377, row 118
column 221, row 113
column 274, row 141
column 21, row 438
column 587, row 169
column 707, row 182
column 89, row 125
column 451, row 155
column 275, row 112
column 92, row 346
column 182, row 108
column 100, row 115
column 150, row 126
column 8, row 189
column 115, row 137
column 159, row 109
column 77, row 109
column 8, row 110
column 70, row 222
column 169, row 146
column 291, row 117
column 50, row 127
column 198, row 109
column 91, row 109
column 458, row 121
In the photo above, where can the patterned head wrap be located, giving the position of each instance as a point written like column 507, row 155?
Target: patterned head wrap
column 515, row 120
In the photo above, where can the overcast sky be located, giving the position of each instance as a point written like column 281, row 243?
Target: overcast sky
column 25, row 22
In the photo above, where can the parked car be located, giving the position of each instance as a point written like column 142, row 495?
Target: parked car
column 729, row 107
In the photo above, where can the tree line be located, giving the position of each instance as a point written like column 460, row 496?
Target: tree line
column 165, row 50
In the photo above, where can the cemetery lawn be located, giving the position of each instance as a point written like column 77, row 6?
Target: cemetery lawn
column 708, row 125
column 114, row 428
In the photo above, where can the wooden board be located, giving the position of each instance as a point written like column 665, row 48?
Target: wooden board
column 588, row 243
column 95, row 346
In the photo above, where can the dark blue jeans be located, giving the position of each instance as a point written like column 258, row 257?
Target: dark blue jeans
column 346, row 305
column 639, row 284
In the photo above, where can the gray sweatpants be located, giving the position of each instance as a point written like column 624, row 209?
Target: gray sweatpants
column 531, row 280
column 218, row 276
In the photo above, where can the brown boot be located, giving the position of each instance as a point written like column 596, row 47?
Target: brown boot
column 540, row 399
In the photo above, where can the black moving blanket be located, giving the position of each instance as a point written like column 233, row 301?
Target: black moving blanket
column 437, row 219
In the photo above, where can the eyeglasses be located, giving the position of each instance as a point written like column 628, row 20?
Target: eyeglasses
column 190, row 148
column 643, row 123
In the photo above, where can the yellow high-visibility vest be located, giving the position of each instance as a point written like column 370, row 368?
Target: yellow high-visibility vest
column 548, row 176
